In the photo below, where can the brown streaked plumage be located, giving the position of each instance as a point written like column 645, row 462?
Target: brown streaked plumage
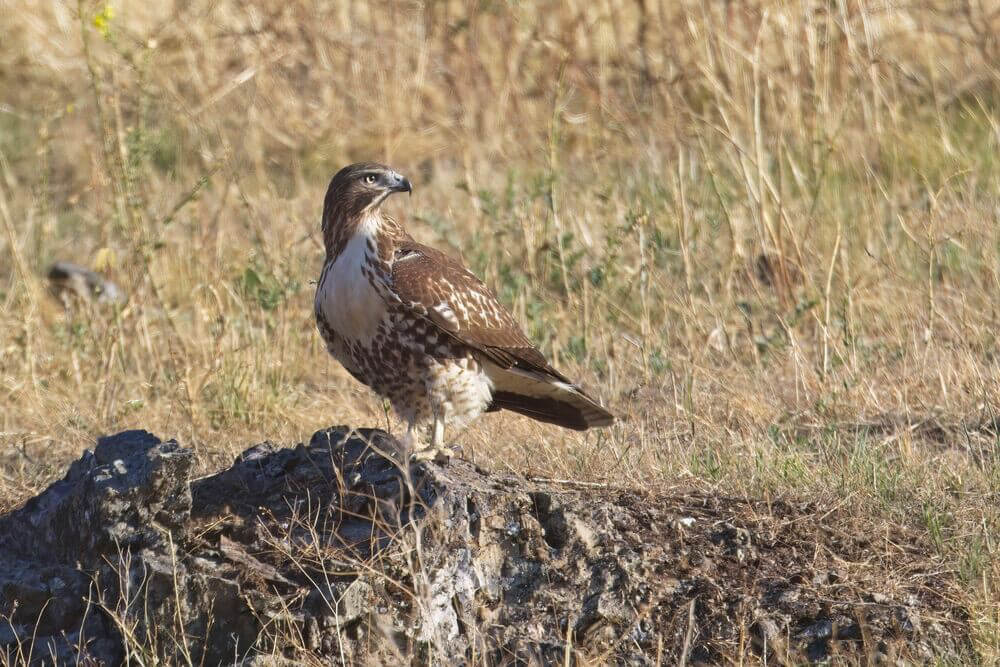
column 416, row 326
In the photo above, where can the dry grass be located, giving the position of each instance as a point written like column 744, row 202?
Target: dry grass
column 766, row 233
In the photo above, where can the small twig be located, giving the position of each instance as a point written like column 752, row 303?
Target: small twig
column 574, row 482
column 568, row 655
column 685, row 651
column 190, row 195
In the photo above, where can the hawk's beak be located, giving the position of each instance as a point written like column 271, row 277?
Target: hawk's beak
column 398, row 183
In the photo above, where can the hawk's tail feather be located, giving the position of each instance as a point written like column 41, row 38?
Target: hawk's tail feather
column 545, row 398
column 554, row 411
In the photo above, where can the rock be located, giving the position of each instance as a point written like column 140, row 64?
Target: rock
column 128, row 493
column 335, row 551
column 69, row 281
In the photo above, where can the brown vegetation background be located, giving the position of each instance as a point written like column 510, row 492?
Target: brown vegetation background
column 765, row 233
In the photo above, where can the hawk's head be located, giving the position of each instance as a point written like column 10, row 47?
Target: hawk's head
column 356, row 191
column 361, row 187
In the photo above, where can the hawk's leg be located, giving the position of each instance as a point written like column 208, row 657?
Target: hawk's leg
column 436, row 450
column 409, row 440
column 437, row 437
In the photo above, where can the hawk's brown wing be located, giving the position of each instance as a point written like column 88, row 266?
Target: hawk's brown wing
column 437, row 287
column 440, row 288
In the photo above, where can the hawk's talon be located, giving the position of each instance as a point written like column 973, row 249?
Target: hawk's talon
column 439, row 455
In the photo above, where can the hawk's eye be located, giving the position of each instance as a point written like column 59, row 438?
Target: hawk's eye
column 370, row 179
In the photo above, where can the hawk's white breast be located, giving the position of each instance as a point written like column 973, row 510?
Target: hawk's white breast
column 348, row 301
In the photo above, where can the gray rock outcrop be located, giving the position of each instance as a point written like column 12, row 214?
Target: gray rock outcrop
column 334, row 552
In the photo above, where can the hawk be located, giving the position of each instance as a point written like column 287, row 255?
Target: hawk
column 420, row 329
